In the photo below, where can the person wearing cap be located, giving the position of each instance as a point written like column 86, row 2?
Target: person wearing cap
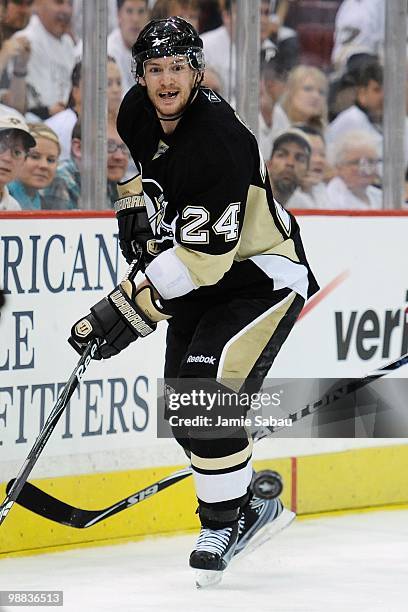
column 289, row 163
column 38, row 170
column 15, row 142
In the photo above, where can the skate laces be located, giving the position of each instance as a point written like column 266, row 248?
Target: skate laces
column 214, row 540
column 257, row 504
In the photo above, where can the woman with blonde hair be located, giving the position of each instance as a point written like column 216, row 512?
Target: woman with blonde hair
column 305, row 98
column 38, row 170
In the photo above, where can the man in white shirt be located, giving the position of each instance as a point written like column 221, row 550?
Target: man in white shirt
column 366, row 112
column 132, row 17
column 289, row 164
column 63, row 122
column 15, row 141
column 52, row 57
column 355, row 159
column 219, row 47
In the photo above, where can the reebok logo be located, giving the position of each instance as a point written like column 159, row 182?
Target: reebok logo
column 200, row 359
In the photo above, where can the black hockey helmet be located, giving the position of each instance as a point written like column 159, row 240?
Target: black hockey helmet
column 165, row 38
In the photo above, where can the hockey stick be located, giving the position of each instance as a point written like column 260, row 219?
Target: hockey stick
column 34, row 499
column 17, row 485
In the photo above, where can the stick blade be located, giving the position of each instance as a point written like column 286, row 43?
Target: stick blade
column 37, row 501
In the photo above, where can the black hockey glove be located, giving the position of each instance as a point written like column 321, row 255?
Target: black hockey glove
column 134, row 227
column 119, row 319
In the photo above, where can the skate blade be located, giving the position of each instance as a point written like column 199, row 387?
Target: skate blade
column 267, row 532
column 207, row 578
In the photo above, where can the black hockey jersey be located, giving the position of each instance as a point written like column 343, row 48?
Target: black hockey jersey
column 209, row 200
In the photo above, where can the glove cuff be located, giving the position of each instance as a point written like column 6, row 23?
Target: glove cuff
column 144, row 298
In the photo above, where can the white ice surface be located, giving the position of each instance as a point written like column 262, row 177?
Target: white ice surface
column 338, row 564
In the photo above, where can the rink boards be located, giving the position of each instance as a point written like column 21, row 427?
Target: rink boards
column 57, row 265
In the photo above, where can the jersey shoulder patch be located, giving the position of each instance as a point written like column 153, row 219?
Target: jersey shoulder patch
column 210, row 95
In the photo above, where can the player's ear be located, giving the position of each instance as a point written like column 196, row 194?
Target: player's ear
column 142, row 81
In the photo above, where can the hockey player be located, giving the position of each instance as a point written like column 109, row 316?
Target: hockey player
column 224, row 264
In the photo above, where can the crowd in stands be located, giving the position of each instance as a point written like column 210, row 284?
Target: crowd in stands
column 320, row 121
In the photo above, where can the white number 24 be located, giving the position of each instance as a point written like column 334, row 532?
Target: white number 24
column 226, row 225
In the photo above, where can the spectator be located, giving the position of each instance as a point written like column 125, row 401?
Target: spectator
column 305, row 99
column 209, row 15
column 14, row 52
column 78, row 14
column 38, row 170
column 16, row 15
column 366, row 112
column 187, row 9
column 15, row 142
column 63, row 122
column 278, row 41
column 118, row 159
column 132, row 17
column 212, row 80
column 52, row 57
column 312, row 191
column 288, row 164
column 65, row 190
column 359, row 28
column 114, row 91
column 342, row 91
column 355, row 159
column 219, row 47
column 272, row 119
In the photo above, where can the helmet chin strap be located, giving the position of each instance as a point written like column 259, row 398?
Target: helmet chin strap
column 197, row 82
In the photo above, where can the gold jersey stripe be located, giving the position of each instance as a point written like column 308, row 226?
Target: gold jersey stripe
column 259, row 232
column 222, row 463
column 205, row 269
column 242, row 350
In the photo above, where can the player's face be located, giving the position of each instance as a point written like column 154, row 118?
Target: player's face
column 359, row 167
column 169, row 81
column 41, row 164
column 132, row 17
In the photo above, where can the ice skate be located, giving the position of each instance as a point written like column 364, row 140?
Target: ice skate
column 260, row 520
column 212, row 554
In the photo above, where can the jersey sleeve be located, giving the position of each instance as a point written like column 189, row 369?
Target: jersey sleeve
column 210, row 188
